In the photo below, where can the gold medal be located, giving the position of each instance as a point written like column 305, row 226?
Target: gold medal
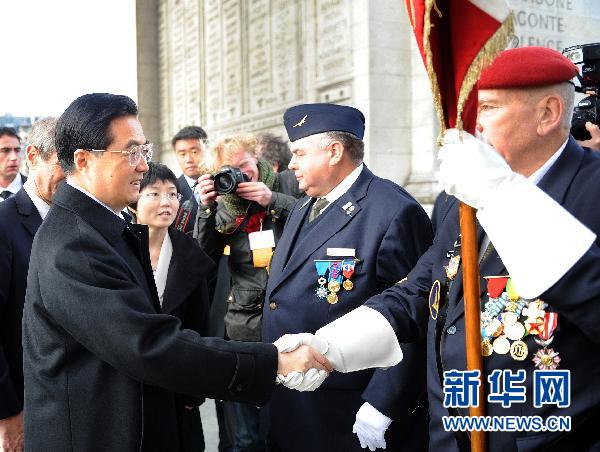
column 333, row 286
column 519, row 351
column 486, row 347
column 347, row 271
column 452, row 267
column 501, row 345
column 332, row 298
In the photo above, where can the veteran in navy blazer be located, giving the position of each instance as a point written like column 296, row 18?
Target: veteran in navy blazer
column 20, row 218
column 382, row 230
column 569, row 182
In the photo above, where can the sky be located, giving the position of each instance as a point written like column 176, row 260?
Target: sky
column 53, row 51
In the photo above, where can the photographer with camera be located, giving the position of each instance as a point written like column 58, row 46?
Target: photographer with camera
column 244, row 205
column 586, row 115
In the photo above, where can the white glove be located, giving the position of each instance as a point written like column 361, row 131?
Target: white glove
column 359, row 340
column 370, row 427
column 538, row 240
column 301, row 381
column 469, row 168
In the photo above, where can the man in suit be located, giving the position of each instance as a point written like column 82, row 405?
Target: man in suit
column 189, row 145
column 99, row 358
column 352, row 236
column 11, row 180
column 535, row 190
column 20, row 217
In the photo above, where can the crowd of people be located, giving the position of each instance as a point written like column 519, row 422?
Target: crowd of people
column 311, row 299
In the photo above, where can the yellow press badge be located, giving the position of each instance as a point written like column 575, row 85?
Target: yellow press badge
column 261, row 244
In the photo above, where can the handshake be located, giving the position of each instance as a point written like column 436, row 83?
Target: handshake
column 302, row 362
column 345, row 345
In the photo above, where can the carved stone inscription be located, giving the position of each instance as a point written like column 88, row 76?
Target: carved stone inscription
column 334, row 45
column 273, row 55
column 252, row 57
column 555, row 23
column 287, row 58
column 232, row 59
column 259, row 54
column 213, row 61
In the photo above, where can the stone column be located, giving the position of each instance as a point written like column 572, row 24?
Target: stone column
column 147, row 69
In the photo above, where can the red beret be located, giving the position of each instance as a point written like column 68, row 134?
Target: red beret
column 527, row 66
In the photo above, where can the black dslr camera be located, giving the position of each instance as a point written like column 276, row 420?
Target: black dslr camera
column 588, row 108
column 228, row 178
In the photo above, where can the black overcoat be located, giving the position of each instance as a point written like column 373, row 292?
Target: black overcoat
column 100, row 361
column 19, row 221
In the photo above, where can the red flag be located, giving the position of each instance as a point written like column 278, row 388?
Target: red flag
column 457, row 38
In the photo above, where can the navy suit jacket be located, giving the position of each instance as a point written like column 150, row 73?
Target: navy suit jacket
column 389, row 231
column 574, row 182
column 19, row 221
column 187, row 194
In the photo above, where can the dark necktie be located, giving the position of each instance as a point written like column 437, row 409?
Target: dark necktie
column 5, row 194
column 317, row 207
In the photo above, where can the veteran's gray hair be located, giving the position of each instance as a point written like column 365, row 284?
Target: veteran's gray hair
column 42, row 136
column 353, row 146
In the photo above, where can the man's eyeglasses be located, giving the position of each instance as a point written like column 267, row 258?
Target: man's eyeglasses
column 135, row 153
column 154, row 196
column 8, row 150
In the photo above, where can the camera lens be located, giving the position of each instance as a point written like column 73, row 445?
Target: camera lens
column 225, row 183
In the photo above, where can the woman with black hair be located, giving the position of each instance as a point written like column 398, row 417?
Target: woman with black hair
column 180, row 267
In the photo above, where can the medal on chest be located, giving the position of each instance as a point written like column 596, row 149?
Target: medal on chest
column 507, row 319
column 331, row 274
column 322, row 267
column 347, row 271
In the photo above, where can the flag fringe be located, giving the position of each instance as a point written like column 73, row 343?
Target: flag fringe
column 496, row 44
column 435, row 87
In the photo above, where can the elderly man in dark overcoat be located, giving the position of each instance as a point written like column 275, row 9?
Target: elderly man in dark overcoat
column 100, row 360
column 20, row 218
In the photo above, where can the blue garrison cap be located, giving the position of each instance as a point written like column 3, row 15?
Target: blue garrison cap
column 303, row 120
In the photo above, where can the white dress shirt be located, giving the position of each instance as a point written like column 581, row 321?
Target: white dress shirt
column 162, row 267
column 191, row 182
column 42, row 207
column 14, row 186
